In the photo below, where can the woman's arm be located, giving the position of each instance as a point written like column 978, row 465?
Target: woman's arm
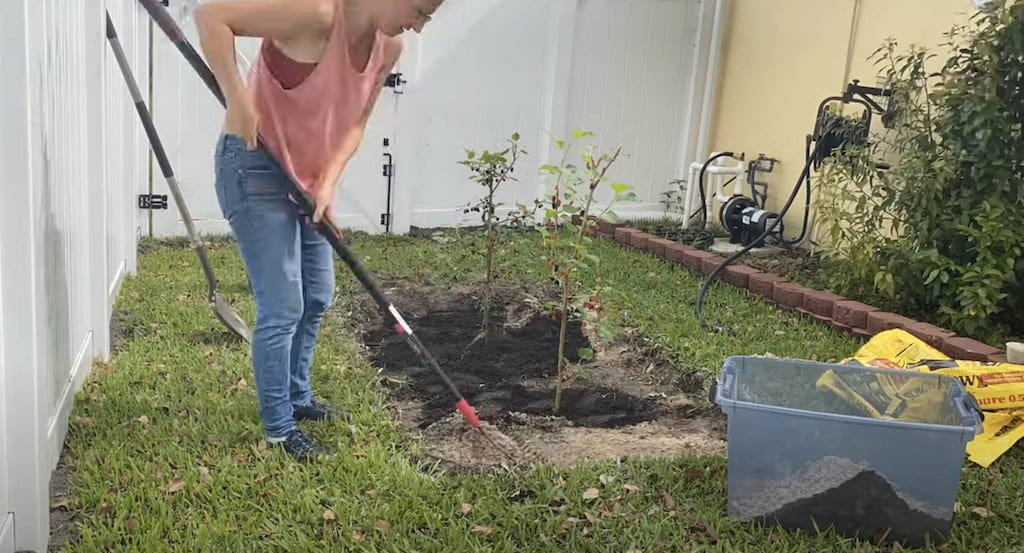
column 348, row 148
column 219, row 23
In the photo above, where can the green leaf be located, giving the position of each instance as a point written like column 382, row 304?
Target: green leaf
column 515, row 137
column 552, row 169
column 586, row 354
column 578, row 134
column 620, row 187
column 560, row 144
column 610, row 216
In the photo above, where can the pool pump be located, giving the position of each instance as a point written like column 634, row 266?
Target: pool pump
column 746, row 221
column 746, row 218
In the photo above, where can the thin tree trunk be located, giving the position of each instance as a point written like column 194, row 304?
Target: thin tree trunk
column 561, row 343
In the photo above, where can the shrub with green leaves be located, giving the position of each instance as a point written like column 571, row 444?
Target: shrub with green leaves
column 491, row 170
column 566, row 235
column 940, row 233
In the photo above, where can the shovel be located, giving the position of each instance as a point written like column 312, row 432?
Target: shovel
column 224, row 312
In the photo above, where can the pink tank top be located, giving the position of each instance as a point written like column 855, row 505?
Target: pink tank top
column 289, row 72
column 303, row 124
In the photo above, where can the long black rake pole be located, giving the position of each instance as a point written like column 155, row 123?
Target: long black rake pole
column 170, row 28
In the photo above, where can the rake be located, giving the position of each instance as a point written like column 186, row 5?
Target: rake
column 491, row 434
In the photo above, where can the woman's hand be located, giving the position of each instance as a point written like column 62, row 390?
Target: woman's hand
column 242, row 118
column 324, row 200
column 350, row 144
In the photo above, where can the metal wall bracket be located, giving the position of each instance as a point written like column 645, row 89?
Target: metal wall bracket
column 396, row 82
column 152, row 201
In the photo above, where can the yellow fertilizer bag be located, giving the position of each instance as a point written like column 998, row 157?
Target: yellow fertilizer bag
column 997, row 387
column 994, row 385
column 897, row 349
column 884, row 396
column 1002, row 430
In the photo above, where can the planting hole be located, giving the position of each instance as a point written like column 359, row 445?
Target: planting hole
column 617, row 402
column 510, row 371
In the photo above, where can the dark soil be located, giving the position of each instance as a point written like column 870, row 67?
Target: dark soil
column 671, row 230
column 624, row 402
column 865, row 507
column 512, row 370
column 798, row 265
column 598, row 406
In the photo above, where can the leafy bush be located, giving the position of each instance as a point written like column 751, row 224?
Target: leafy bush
column 940, row 232
column 566, row 241
column 491, row 170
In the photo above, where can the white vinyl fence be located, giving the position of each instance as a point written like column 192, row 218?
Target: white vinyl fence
column 639, row 73
column 74, row 157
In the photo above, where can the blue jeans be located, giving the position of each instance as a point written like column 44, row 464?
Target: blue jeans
column 291, row 267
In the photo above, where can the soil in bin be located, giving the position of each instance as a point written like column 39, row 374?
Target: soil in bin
column 625, row 404
column 864, row 507
column 851, row 498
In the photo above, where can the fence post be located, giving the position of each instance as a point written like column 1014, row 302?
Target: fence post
column 6, row 520
column 22, row 39
column 101, row 215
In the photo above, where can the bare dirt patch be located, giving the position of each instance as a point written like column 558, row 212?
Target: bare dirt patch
column 621, row 403
column 122, row 329
column 63, row 521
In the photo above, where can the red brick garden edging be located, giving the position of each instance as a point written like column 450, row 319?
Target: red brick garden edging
column 841, row 313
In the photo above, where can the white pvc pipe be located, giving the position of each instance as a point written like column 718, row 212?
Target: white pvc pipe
column 712, row 77
column 716, row 176
column 702, row 102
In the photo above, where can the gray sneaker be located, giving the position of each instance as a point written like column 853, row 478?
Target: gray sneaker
column 317, row 411
column 301, row 447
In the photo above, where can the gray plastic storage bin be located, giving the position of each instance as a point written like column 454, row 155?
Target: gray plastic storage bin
column 804, row 456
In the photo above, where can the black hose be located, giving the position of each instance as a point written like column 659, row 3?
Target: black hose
column 807, row 205
column 751, row 179
column 700, row 209
column 700, row 183
column 732, row 259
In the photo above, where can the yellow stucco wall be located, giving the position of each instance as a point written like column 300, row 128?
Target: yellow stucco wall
column 781, row 58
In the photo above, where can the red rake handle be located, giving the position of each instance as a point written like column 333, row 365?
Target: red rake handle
column 467, row 411
column 170, row 28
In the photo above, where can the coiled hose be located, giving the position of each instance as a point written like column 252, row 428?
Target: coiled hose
column 702, row 296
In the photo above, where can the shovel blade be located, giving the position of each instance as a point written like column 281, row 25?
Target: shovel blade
column 231, row 319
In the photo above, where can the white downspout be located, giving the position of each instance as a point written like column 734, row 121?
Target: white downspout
column 712, row 77
column 702, row 99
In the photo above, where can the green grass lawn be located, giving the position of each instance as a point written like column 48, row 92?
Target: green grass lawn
column 165, row 439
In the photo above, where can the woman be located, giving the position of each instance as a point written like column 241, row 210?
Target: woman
column 321, row 67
